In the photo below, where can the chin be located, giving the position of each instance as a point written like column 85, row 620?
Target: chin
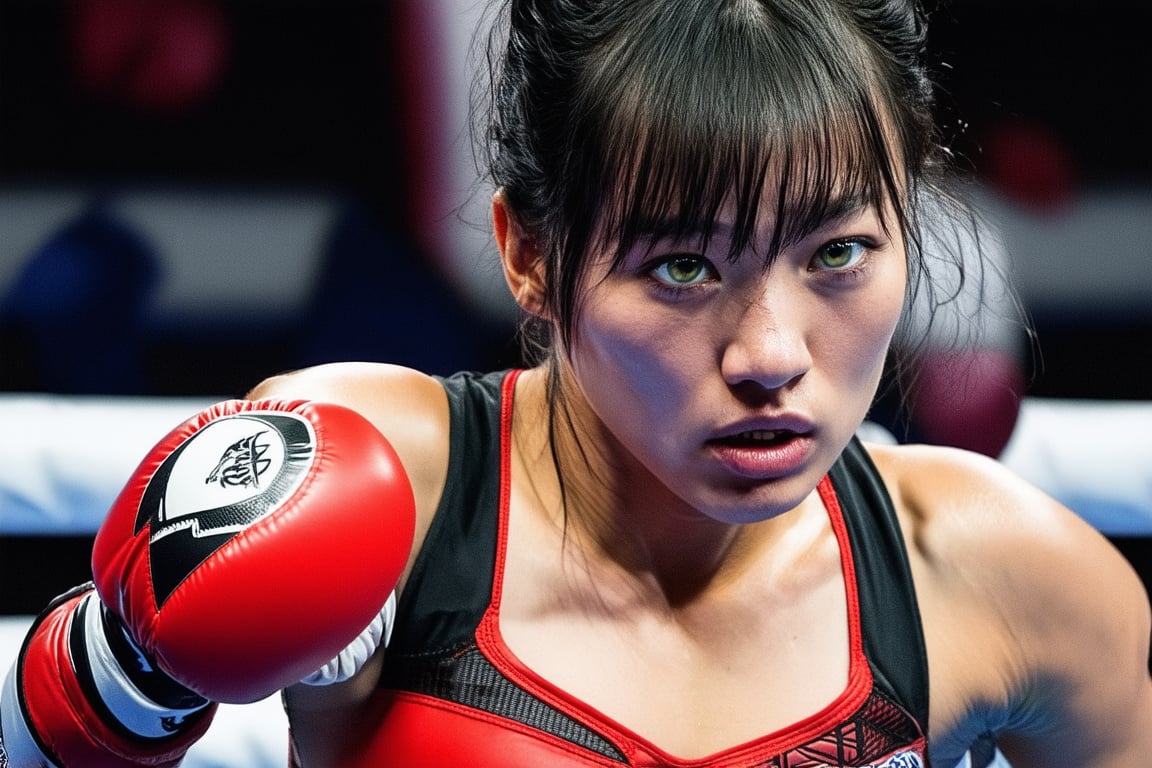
column 764, row 501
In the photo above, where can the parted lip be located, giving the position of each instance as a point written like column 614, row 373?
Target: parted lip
column 763, row 427
column 762, row 454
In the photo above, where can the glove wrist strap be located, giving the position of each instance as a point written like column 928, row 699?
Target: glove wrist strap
column 139, row 695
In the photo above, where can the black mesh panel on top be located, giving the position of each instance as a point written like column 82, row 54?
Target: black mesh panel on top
column 466, row 677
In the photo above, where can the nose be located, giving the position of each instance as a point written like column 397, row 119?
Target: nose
column 768, row 347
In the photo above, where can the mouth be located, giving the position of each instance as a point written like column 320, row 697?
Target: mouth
column 763, row 453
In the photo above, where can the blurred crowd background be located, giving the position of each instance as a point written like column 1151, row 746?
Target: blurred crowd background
column 196, row 194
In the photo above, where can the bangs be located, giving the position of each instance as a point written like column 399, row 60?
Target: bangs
column 789, row 110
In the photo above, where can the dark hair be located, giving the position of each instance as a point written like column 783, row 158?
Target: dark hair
column 607, row 116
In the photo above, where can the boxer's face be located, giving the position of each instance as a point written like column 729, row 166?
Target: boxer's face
column 733, row 385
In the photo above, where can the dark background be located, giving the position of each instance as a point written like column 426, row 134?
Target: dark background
column 310, row 97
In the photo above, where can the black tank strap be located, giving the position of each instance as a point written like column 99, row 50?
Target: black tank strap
column 443, row 600
column 889, row 612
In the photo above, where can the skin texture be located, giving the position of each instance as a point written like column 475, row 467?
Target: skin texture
column 714, row 571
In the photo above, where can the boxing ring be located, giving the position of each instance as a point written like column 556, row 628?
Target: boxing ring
column 65, row 458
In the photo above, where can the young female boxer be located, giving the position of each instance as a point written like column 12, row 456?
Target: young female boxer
column 662, row 544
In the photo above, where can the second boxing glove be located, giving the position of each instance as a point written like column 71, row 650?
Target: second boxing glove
column 255, row 542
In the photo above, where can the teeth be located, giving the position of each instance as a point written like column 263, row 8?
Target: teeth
column 762, row 434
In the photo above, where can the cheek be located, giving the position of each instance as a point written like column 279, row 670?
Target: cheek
column 880, row 316
column 867, row 326
column 615, row 344
column 633, row 362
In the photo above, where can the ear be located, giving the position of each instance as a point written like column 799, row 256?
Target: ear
column 520, row 256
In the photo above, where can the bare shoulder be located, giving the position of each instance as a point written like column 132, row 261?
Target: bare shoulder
column 1058, row 619
column 962, row 504
column 410, row 409
column 967, row 512
column 398, row 400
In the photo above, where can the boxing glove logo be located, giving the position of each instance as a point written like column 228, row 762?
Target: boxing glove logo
column 231, row 473
column 243, row 463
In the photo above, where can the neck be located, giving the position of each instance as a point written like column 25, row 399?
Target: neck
column 613, row 510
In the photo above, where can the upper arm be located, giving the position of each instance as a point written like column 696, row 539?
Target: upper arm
column 1055, row 613
column 1083, row 627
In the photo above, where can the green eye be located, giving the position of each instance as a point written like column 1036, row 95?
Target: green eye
column 681, row 270
column 840, row 254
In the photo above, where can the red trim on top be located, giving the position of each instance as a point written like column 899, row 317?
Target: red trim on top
column 640, row 751
column 507, row 395
column 848, row 567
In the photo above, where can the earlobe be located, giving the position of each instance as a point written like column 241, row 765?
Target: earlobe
column 519, row 255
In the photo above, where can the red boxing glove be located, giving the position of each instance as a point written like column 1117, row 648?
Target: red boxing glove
column 255, row 542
